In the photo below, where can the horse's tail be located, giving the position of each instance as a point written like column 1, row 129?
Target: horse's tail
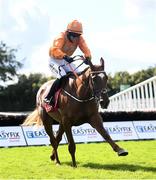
column 33, row 119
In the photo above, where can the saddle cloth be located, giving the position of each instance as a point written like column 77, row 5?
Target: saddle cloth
column 50, row 108
column 54, row 108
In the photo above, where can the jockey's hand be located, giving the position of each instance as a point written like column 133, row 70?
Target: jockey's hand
column 68, row 59
column 86, row 61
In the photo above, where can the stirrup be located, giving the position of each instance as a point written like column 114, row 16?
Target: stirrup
column 46, row 101
column 50, row 101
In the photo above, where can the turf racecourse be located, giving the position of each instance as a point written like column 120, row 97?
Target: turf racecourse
column 95, row 161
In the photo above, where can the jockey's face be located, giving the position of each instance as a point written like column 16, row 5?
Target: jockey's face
column 71, row 36
column 74, row 35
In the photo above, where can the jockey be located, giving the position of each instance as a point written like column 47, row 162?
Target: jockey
column 60, row 55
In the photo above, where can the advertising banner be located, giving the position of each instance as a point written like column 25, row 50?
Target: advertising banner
column 145, row 129
column 85, row 133
column 30, row 135
column 37, row 135
column 64, row 139
column 121, row 130
column 11, row 136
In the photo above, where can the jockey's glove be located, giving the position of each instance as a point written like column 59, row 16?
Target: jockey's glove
column 68, row 59
column 86, row 61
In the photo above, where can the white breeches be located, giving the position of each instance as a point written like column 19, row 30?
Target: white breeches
column 60, row 67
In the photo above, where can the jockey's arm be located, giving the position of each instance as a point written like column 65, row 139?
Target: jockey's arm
column 55, row 50
column 84, row 48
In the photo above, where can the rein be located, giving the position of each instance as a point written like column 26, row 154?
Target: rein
column 93, row 95
column 74, row 73
column 75, row 98
column 79, row 100
column 73, row 70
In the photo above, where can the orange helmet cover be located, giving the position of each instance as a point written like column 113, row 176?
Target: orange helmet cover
column 75, row 26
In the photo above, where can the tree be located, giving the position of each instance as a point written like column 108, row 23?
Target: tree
column 143, row 75
column 8, row 63
column 114, row 83
column 22, row 95
column 124, row 78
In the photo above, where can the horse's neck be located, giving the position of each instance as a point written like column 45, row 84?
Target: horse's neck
column 83, row 88
column 79, row 86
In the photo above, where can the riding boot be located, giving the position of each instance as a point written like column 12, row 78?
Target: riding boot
column 50, row 96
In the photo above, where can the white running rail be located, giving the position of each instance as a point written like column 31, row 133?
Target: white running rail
column 136, row 98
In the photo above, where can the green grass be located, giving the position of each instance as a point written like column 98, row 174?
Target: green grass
column 95, row 161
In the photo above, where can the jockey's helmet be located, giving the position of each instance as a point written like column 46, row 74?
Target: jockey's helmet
column 75, row 27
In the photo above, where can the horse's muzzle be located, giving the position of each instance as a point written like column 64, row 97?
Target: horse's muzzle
column 104, row 103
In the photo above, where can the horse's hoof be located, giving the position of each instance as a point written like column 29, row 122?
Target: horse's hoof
column 52, row 157
column 74, row 166
column 58, row 164
column 122, row 152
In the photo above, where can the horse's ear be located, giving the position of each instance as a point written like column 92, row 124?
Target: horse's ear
column 102, row 62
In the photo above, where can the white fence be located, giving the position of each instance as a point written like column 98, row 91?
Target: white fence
column 136, row 98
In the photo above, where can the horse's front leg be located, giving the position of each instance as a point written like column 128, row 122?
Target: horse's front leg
column 97, row 123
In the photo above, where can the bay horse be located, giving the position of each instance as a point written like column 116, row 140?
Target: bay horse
column 77, row 104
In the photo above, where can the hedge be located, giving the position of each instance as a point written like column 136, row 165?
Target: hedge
column 15, row 119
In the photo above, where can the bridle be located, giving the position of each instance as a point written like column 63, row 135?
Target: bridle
column 95, row 93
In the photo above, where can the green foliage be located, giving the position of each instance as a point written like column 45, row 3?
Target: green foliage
column 118, row 79
column 95, row 161
column 124, row 78
column 143, row 75
column 8, row 63
column 22, row 95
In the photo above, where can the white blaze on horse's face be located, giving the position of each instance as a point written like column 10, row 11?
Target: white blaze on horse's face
column 99, row 81
column 101, row 75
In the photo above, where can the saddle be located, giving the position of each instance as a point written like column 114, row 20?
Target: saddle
column 50, row 108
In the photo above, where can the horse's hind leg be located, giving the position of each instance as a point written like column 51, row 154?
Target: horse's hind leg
column 58, row 139
column 97, row 123
column 48, row 128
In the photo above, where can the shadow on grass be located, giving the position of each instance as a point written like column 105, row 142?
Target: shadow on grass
column 119, row 167
column 69, row 163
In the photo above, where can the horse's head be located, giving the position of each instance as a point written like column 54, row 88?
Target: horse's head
column 98, row 81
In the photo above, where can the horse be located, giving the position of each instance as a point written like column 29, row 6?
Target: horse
column 78, row 103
